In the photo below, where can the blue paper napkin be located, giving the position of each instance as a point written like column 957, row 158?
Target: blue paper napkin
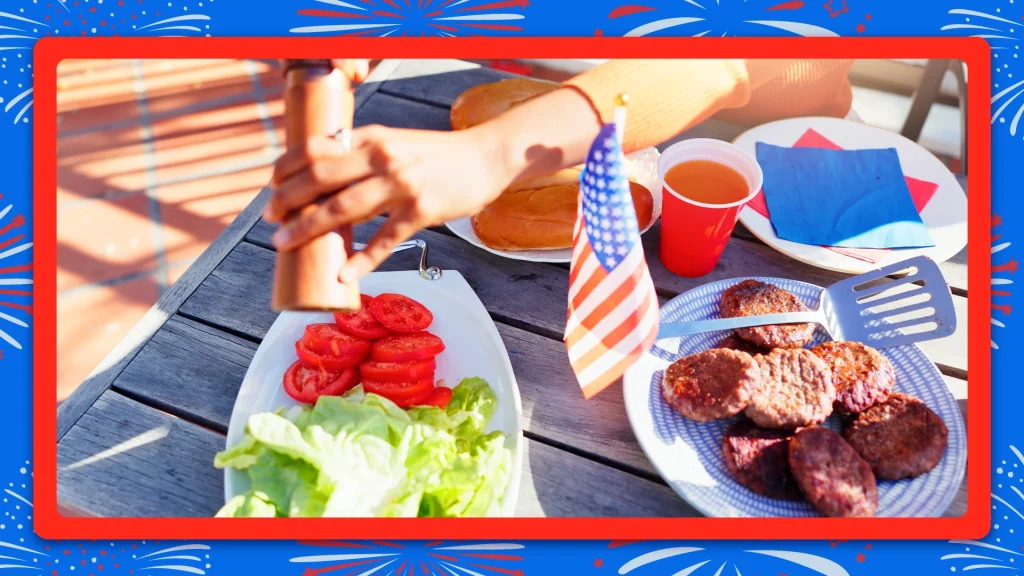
column 845, row 198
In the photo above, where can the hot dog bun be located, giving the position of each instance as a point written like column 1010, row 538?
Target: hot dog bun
column 537, row 214
column 542, row 218
column 485, row 101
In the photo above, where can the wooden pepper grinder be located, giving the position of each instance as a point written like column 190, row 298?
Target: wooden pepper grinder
column 318, row 102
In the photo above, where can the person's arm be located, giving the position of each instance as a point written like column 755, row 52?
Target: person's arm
column 424, row 178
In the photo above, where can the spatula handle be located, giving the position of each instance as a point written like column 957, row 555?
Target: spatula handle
column 676, row 329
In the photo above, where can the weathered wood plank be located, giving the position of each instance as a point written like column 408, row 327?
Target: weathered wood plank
column 554, row 409
column 395, row 112
column 544, row 287
column 438, row 82
column 190, row 370
column 123, row 458
column 100, row 379
column 559, row 484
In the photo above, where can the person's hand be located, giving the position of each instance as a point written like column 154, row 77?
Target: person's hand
column 420, row 178
column 356, row 69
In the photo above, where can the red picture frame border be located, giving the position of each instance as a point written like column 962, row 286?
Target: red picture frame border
column 51, row 524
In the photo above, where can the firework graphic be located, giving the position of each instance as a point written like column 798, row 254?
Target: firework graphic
column 1001, row 548
column 15, row 286
column 22, row 26
column 1000, row 284
column 407, row 558
column 1004, row 37
column 15, row 525
column 17, row 34
column 441, row 18
column 686, row 560
column 727, row 17
column 20, row 548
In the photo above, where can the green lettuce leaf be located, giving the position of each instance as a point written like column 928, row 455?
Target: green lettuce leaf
column 248, row 505
column 360, row 455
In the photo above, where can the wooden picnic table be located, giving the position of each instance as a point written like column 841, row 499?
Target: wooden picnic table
column 138, row 437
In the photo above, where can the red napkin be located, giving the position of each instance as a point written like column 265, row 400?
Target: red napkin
column 920, row 191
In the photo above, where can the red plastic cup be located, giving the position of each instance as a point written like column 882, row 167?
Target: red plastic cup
column 694, row 234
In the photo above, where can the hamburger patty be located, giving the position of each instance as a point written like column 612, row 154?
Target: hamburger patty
column 796, row 390
column 753, row 298
column 734, row 342
column 899, row 438
column 831, row 475
column 861, row 375
column 711, row 385
column 759, row 459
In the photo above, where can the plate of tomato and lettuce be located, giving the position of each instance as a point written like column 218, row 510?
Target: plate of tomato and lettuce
column 408, row 407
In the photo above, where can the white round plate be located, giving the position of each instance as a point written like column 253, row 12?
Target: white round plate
column 688, row 454
column 644, row 172
column 472, row 348
column 945, row 215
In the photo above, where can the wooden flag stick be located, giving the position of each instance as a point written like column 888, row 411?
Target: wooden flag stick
column 621, row 101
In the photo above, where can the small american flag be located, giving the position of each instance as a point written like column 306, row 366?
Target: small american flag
column 613, row 309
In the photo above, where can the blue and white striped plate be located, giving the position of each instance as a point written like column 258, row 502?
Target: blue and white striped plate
column 688, row 454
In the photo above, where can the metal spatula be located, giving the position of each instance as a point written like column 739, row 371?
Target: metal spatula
column 871, row 308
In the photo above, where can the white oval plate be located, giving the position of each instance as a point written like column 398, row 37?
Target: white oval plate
column 688, row 454
column 644, row 172
column 473, row 347
column 945, row 215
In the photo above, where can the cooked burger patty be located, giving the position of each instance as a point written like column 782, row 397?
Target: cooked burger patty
column 759, row 459
column 796, row 390
column 734, row 342
column 899, row 438
column 753, row 298
column 831, row 475
column 861, row 375
column 711, row 385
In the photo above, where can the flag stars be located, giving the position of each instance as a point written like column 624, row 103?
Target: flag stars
column 601, row 185
column 598, row 155
column 609, row 143
column 622, row 250
column 620, row 238
column 609, row 250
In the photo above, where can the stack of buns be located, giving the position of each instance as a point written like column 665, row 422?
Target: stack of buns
column 537, row 214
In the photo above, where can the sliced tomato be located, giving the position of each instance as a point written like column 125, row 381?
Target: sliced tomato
column 398, row 371
column 400, row 313
column 331, row 340
column 361, row 324
column 306, row 384
column 439, row 397
column 406, row 347
column 326, row 361
column 404, row 394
